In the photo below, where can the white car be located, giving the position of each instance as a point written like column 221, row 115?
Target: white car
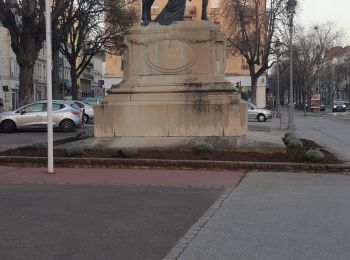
column 259, row 114
column 66, row 116
column 88, row 109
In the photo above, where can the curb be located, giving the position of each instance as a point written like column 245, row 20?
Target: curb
column 185, row 241
column 25, row 161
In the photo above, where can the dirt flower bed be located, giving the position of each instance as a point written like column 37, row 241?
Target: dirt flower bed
column 293, row 155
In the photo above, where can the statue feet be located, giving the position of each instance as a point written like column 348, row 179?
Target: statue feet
column 145, row 22
column 205, row 17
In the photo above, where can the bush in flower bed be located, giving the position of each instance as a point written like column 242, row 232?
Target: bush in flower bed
column 130, row 151
column 289, row 138
column 314, row 155
column 38, row 146
column 294, row 143
column 74, row 151
column 203, row 147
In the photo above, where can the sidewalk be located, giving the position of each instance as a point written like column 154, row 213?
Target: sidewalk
column 279, row 216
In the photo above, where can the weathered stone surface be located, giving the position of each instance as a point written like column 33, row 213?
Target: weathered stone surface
column 174, row 86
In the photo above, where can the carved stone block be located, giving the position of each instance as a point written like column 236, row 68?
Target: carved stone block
column 174, row 86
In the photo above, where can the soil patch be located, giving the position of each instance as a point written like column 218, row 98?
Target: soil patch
column 292, row 156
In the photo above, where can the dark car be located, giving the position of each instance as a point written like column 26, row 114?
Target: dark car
column 339, row 106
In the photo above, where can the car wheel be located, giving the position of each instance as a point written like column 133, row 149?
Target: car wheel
column 86, row 118
column 8, row 126
column 261, row 118
column 67, row 125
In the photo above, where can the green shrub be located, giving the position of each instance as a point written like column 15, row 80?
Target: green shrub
column 289, row 138
column 38, row 146
column 130, row 151
column 295, row 143
column 287, row 134
column 74, row 151
column 203, row 147
column 314, row 155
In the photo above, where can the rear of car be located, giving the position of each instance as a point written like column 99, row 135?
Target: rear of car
column 88, row 110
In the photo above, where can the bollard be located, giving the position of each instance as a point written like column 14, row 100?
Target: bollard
column 82, row 117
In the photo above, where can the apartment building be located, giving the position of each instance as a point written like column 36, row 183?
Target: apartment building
column 91, row 80
column 333, row 81
column 236, row 69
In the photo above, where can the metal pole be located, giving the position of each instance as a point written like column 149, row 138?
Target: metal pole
column 291, row 125
column 49, row 88
column 2, row 70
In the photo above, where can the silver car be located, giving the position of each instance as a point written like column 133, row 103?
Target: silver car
column 259, row 114
column 88, row 109
column 66, row 116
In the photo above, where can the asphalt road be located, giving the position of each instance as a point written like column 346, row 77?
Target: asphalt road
column 332, row 130
column 96, row 222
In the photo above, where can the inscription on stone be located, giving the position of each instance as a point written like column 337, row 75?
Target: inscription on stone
column 170, row 56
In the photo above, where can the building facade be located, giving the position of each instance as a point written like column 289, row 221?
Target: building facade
column 333, row 81
column 9, row 73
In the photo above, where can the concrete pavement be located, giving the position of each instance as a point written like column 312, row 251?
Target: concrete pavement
column 279, row 216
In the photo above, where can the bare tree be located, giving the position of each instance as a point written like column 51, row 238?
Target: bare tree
column 309, row 50
column 25, row 21
column 90, row 27
column 251, row 27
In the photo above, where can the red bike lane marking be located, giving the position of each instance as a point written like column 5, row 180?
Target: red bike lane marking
column 134, row 177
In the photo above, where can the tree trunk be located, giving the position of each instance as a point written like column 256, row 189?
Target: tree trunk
column 57, row 91
column 254, row 83
column 26, row 60
column 26, row 84
column 75, row 86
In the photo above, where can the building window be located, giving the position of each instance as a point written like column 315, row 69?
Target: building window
column 244, row 64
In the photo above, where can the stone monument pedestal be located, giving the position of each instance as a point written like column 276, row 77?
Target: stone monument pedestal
column 174, row 87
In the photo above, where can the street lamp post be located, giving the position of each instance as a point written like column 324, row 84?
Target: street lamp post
column 278, row 53
column 49, row 88
column 291, row 4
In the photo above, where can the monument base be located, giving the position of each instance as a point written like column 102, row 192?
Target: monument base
column 174, row 87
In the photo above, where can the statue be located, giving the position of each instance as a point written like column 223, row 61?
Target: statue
column 146, row 12
column 173, row 11
column 204, row 10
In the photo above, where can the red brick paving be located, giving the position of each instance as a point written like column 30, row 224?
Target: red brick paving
column 83, row 176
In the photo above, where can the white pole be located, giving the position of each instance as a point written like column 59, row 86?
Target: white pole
column 49, row 88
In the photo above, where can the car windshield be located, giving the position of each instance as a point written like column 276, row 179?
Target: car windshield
column 338, row 103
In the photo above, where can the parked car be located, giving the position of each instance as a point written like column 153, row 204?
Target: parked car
column 89, row 110
column 259, row 114
column 339, row 106
column 66, row 116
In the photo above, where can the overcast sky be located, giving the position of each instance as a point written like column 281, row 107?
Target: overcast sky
column 337, row 11
column 318, row 11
